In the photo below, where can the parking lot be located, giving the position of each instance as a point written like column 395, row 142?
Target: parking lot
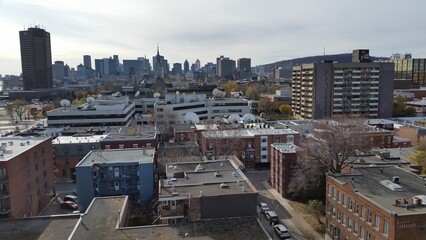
column 62, row 189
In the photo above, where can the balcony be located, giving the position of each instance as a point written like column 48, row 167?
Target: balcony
column 179, row 211
column 4, row 194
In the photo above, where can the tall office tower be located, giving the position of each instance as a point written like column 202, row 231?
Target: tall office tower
column 146, row 66
column 186, row 66
column 99, row 68
column 87, row 61
column 66, row 71
column 325, row 90
column 36, row 58
column 117, row 64
column 244, row 64
column 409, row 72
column 197, row 65
column 225, row 67
column 58, row 70
column 177, row 69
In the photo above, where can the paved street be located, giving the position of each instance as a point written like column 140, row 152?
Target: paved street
column 296, row 225
column 62, row 189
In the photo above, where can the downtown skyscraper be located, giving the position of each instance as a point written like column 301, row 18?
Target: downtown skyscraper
column 36, row 58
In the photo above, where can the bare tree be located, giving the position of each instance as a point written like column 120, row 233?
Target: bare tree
column 336, row 143
column 17, row 107
column 164, row 122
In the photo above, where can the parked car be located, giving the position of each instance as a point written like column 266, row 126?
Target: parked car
column 70, row 205
column 263, row 207
column 71, row 198
column 281, row 231
column 271, row 216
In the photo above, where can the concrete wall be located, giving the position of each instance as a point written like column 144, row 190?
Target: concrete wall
column 85, row 187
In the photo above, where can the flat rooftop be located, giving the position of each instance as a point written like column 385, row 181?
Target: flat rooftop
column 100, row 220
column 285, row 147
column 210, row 178
column 123, row 138
column 13, row 146
column 367, row 182
column 247, row 132
column 49, row 228
column 79, row 139
column 118, row 156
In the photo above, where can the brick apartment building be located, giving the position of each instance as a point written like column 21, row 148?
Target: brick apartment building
column 374, row 203
column 283, row 164
column 251, row 145
column 27, row 181
column 69, row 150
column 120, row 141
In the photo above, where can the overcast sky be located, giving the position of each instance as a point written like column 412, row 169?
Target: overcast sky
column 264, row 30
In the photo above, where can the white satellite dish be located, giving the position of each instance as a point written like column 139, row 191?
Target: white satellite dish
column 137, row 94
column 191, row 117
column 249, row 118
column 90, row 101
column 65, row 103
column 156, row 95
column 117, row 94
column 218, row 93
column 234, row 118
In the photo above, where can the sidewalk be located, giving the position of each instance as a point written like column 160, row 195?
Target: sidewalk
column 308, row 230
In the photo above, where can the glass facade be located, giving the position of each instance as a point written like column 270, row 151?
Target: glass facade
column 411, row 70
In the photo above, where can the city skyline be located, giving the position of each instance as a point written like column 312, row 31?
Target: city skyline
column 265, row 32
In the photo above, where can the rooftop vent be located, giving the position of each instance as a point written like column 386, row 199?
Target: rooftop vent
column 175, row 167
column 173, row 179
column 243, row 189
column 11, row 143
column 234, row 174
column 217, row 174
column 8, row 151
column 22, row 143
column 395, row 179
column 224, row 185
column 28, row 142
column 201, row 193
column 392, row 186
column 199, row 167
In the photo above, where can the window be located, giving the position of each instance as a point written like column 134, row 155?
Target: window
column 344, row 200
column 363, row 212
column 385, row 227
column 369, row 216
column 135, row 145
column 339, row 196
column 277, row 139
column 290, row 139
column 361, row 233
column 36, row 166
column 64, row 172
column 355, row 227
column 334, row 193
column 121, row 146
column 350, row 203
column 356, row 208
column 107, row 146
column 329, row 189
column 377, row 222
column 44, row 162
column 263, row 140
column 148, row 145
column 44, row 173
column 43, row 150
column 350, row 223
column 67, row 161
column 343, row 219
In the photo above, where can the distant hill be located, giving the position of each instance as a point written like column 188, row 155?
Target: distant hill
column 288, row 64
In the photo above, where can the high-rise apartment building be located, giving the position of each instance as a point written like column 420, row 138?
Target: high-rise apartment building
column 87, row 61
column 225, row 67
column 36, row 58
column 324, row 90
column 177, row 69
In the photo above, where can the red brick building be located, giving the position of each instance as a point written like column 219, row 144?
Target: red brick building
column 251, row 145
column 383, row 202
column 68, row 152
column 27, row 181
column 283, row 163
column 119, row 141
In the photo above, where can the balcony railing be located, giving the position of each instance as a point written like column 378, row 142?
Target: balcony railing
column 179, row 211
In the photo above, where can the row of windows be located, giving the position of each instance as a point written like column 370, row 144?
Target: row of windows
column 361, row 211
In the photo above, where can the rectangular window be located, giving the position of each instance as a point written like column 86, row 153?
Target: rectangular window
column 107, row 146
column 385, row 227
column 363, row 212
column 369, row 216
column 344, row 200
column 355, row 227
column 121, row 146
column 361, row 233
column 377, row 222
column 350, row 203
column 135, row 145
column 350, row 223
column 356, row 208
column 329, row 189
column 339, row 196
column 148, row 145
